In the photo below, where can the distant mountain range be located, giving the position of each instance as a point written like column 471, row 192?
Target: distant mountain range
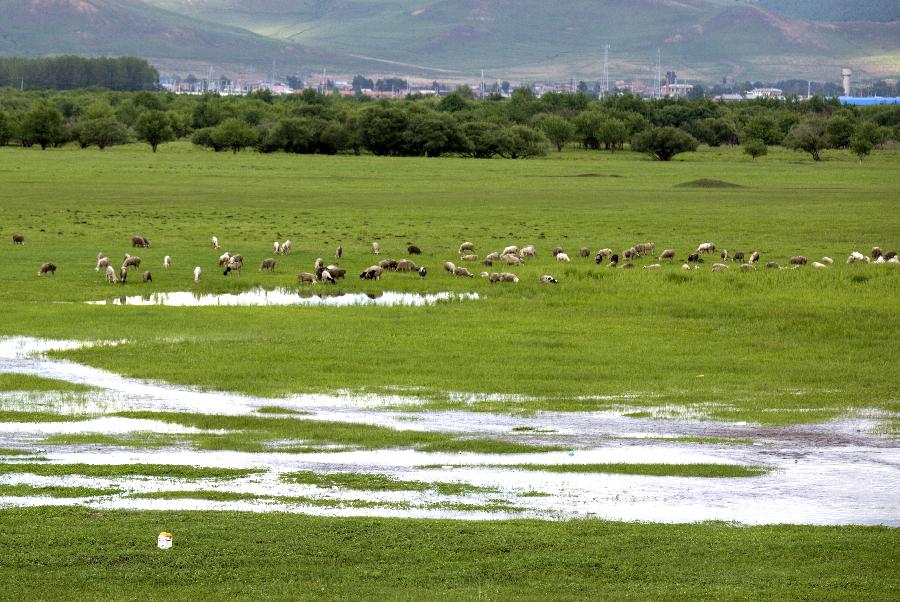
column 456, row 39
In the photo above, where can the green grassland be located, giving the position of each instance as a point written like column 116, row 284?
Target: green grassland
column 73, row 553
column 771, row 346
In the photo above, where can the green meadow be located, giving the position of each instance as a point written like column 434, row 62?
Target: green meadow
column 768, row 345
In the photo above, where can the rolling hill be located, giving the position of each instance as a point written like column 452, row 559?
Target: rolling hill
column 514, row 39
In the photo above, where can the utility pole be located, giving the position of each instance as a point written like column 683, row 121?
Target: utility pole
column 604, row 85
column 658, row 73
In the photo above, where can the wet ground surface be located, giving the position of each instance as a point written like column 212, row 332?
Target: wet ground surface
column 839, row 472
column 264, row 297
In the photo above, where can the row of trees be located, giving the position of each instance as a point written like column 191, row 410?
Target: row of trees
column 523, row 126
column 73, row 72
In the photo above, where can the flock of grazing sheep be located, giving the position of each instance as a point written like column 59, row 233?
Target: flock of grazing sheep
column 510, row 256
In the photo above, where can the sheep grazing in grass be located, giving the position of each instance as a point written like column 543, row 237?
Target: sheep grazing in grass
column 694, row 258
column 276, row 248
column 818, row 265
column 556, row 251
column 18, row 239
column 827, row 260
column 880, row 259
column 373, row 272
column 512, row 260
column 267, row 264
column 598, row 258
column 110, row 274
column 326, row 277
column 214, row 242
column 236, row 257
column 652, row 266
column 562, row 257
column 706, row 247
column 747, row 266
column 495, row 256
column 508, row 277
column 463, row 272
column 528, row 251
column 605, row 252
column 338, row 253
column 376, row 248
column 548, row 279
column 304, row 277
column 131, row 261
column 685, row 266
column 628, row 266
column 890, row 255
column 123, row 274
column 167, row 262
column 510, row 250
column 773, row 265
column 413, row 250
column 336, row 272
column 224, row 258
column 629, row 253
column 388, row 264
column 613, row 260
column 286, row 247
column 738, row 257
column 724, row 255
column 147, row 277
column 584, row 252
column 667, row 254
column 466, row 246
column 102, row 263
column 718, row 267
column 857, row 257
column 405, row 265
column 320, row 263
column 485, row 275
column 140, row 241
column 644, row 247
column 876, row 252
column 797, row 260
column 235, row 265
column 449, row 266
column 423, row 271
column 754, row 256
column 469, row 258
column 197, row 272
column 894, row 259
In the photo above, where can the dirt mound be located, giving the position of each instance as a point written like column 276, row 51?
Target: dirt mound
column 707, row 183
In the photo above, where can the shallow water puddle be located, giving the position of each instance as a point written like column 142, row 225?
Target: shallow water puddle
column 260, row 297
column 831, row 473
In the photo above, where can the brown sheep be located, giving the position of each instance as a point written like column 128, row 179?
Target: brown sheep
column 267, row 264
column 413, row 250
column 798, row 260
column 556, row 251
column 18, row 239
column 147, row 277
column 303, row 277
column 738, row 257
column 667, row 254
column 140, row 241
column 460, row 271
column 131, row 261
column 337, row 272
column 47, row 268
column 388, row 264
column 339, row 252
column 495, row 256
column 405, row 265
column 876, row 252
column 773, row 265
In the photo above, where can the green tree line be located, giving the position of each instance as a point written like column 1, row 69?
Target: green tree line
column 518, row 127
column 73, row 72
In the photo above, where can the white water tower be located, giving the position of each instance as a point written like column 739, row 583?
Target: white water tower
column 845, row 74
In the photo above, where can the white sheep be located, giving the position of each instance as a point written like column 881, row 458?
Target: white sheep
column 224, row 258
column 276, row 248
column 466, row 246
column 706, row 247
column 562, row 257
column 818, row 266
column 286, row 247
column 718, row 267
column 167, row 262
column 548, row 279
column 214, row 241
column 529, row 251
column 652, row 266
column 827, row 260
column 510, row 250
column 376, row 248
column 110, row 274
column 102, row 262
column 197, row 271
